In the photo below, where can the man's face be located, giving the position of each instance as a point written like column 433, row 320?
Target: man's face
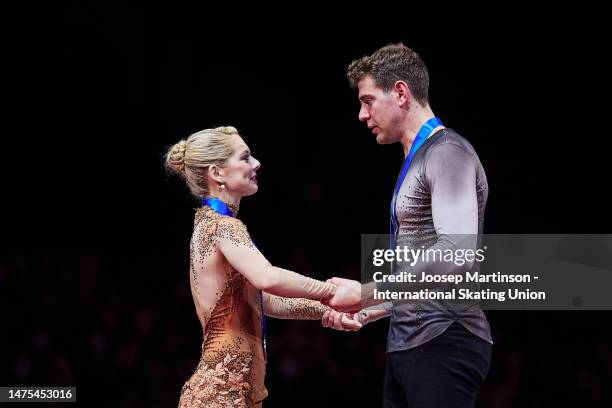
column 380, row 110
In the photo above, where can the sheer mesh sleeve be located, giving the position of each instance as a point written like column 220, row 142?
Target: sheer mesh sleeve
column 237, row 247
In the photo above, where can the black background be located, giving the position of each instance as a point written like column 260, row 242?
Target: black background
column 94, row 258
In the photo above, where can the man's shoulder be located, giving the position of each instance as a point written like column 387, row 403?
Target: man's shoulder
column 450, row 136
column 449, row 139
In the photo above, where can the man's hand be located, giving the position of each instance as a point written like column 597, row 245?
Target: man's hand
column 347, row 297
column 340, row 321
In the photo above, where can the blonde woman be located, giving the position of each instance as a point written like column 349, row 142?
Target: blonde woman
column 232, row 284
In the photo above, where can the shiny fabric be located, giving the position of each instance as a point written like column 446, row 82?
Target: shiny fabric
column 231, row 369
column 222, row 208
column 420, row 138
column 441, row 200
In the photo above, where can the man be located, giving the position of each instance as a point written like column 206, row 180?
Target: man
column 435, row 357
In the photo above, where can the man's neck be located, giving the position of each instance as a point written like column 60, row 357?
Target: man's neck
column 415, row 120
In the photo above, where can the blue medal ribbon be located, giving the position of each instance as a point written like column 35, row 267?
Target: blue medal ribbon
column 422, row 135
column 218, row 205
column 222, row 208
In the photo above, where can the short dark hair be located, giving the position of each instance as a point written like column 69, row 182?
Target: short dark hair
column 389, row 64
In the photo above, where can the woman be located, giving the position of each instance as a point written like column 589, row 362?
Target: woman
column 232, row 283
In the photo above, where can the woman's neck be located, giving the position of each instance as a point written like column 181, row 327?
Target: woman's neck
column 232, row 202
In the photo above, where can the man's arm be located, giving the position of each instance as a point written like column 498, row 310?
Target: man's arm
column 340, row 320
column 450, row 173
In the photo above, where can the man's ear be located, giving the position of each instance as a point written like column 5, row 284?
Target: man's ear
column 403, row 93
column 216, row 173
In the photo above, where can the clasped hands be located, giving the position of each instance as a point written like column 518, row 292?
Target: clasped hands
column 346, row 305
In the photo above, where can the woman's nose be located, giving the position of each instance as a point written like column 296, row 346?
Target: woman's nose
column 256, row 164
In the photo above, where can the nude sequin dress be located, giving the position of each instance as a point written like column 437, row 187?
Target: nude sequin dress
column 231, row 369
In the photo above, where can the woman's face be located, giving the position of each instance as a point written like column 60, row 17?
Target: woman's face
column 240, row 171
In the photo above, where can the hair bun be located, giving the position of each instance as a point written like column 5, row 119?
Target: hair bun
column 228, row 130
column 176, row 157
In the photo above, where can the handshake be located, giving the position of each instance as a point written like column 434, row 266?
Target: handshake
column 346, row 305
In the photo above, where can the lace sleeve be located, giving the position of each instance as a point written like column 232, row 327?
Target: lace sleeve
column 293, row 308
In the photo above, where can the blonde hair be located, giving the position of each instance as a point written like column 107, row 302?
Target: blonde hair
column 191, row 157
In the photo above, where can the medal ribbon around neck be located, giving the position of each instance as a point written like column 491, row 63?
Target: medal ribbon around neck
column 424, row 132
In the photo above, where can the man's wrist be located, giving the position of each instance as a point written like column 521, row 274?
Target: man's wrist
column 363, row 317
column 367, row 295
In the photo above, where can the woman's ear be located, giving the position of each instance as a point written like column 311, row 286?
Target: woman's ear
column 216, row 173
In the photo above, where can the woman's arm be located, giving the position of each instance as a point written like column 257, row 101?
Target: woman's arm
column 293, row 308
column 302, row 309
column 236, row 245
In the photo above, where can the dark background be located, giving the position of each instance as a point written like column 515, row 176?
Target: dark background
column 94, row 258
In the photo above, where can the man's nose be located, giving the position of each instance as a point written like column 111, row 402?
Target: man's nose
column 364, row 114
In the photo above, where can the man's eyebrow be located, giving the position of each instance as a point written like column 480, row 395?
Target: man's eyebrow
column 363, row 97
